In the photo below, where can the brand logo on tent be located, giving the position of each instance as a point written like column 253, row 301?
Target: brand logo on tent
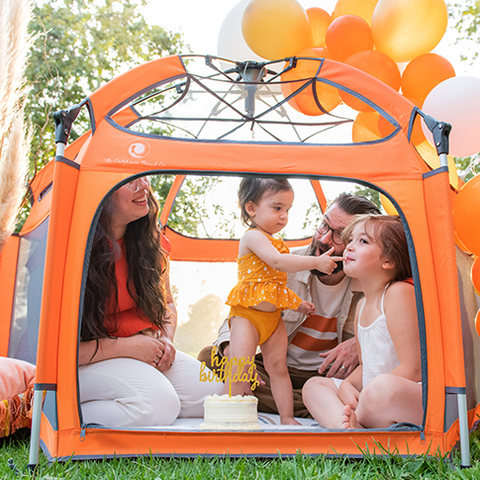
column 138, row 149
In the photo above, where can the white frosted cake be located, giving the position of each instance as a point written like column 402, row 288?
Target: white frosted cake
column 230, row 413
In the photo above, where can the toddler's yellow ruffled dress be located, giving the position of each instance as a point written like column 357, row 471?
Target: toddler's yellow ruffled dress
column 258, row 282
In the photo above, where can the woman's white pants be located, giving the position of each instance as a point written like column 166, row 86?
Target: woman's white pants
column 124, row 392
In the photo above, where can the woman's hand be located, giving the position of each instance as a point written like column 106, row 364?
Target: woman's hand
column 168, row 354
column 144, row 348
column 140, row 347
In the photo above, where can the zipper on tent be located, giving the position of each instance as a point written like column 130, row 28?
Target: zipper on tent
column 422, row 437
column 83, row 433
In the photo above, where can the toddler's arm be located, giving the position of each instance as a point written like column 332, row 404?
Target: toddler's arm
column 256, row 242
column 307, row 308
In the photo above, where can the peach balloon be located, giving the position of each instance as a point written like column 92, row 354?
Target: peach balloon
column 456, row 101
column 361, row 8
column 466, row 215
column 347, row 35
column 424, row 73
column 405, row 29
column 379, row 66
column 365, row 127
column 305, row 101
column 319, row 22
column 388, row 205
column 275, row 29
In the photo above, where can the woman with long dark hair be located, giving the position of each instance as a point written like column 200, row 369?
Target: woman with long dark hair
column 130, row 373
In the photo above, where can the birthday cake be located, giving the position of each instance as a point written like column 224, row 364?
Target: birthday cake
column 230, row 413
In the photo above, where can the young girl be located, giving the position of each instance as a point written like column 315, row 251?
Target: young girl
column 384, row 389
column 261, row 293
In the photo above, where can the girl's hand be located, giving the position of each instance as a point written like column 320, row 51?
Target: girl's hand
column 307, row 309
column 348, row 394
column 326, row 263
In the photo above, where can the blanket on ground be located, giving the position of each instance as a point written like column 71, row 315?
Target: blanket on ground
column 16, row 393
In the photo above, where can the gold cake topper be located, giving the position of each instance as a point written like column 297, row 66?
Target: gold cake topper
column 222, row 370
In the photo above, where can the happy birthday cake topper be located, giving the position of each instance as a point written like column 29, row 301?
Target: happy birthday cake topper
column 223, row 370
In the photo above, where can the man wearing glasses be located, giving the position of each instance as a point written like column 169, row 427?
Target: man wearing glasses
column 324, row 343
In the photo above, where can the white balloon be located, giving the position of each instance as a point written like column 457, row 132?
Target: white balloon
column 457, row 101
column 231, row 44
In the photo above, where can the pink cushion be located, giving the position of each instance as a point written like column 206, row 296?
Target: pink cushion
column 16, row 376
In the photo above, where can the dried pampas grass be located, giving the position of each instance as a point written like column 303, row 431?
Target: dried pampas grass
column 15, row 44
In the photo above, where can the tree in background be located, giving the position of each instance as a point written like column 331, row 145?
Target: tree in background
column 466, row 15
column 81, row 45
column 205, row 317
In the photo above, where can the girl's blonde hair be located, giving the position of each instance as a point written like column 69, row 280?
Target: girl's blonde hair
column 389, row 234
column 252, row 189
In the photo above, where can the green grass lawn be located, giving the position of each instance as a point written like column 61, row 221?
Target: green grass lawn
column 298, row 468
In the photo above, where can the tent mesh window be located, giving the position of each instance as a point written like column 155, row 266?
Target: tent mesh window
column 28, row 295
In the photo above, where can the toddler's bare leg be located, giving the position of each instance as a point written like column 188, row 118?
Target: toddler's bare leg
column 243, row 343
column 275, row 359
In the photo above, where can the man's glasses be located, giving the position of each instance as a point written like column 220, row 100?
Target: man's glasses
column 140, row 183
column 324, row 228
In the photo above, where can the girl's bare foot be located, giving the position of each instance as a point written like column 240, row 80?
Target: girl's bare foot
column 289, row 421
column 349, row 419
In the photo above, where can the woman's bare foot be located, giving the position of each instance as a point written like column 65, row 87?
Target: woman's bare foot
column 289, row 421
column 349, row 419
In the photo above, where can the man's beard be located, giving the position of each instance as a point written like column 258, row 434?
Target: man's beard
column 323, row 248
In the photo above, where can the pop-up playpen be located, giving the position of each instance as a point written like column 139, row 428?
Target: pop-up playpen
column 202, row 116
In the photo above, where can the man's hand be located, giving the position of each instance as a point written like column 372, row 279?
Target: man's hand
column 342, row 359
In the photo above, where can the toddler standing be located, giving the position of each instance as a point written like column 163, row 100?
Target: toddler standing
column 261, row 292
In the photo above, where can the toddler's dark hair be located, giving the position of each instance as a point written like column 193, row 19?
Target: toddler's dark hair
column 252, row 189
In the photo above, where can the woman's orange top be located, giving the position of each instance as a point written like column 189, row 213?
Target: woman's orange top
column 258, row 282
column 129, row 318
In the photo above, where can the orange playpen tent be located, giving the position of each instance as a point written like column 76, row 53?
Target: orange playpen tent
column 193, row 115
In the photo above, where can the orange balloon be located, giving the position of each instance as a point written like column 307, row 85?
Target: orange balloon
column 379, row 66
column 475, row 275
column 466, row 215
column 275, row 29
column 417, row 137
column 319, row 22
column 460, row 245
column 347, row 35
column 424, row 73
column 405, row 29
column 305, row 101
column 365, row 127
column 361, row 8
